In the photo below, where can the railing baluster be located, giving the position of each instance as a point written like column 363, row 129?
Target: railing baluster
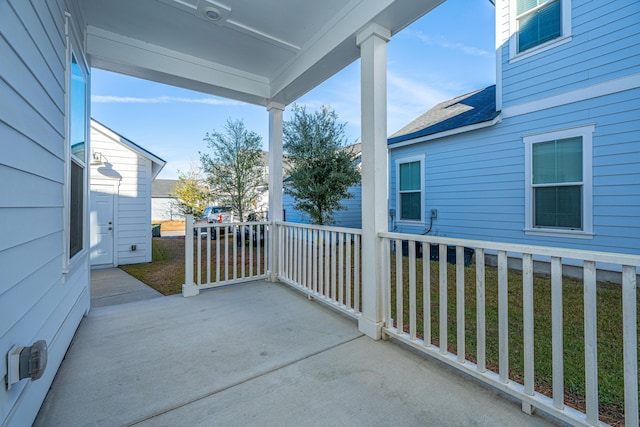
column 356, row 274
column 442, row 253
column 527, row 313
column 460, row 326
column 341, row 268
column 399, row 278
column 251, row 237
column 303, row 258
column 266, row 245
column 209, row 257
column 321, row 261
column 348, row 271
column 199, row 260
column 590, row 342
column 333, row 266
column 426, row 293
column 630, row 339
column 480, row 312
column 556, row 333
column 290, row 246
column 385, row 256
column 218, row 257
column 314, row 259
column 327, row 263
column 412, row 290
column 226, row 253
column 242, row 251
column 503, row 317
column 234, row 239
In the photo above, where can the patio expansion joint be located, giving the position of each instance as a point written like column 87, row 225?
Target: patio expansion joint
column 237, row 383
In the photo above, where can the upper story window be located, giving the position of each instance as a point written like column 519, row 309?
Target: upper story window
column 538, row 22
column 558, row 174
column 410, row 194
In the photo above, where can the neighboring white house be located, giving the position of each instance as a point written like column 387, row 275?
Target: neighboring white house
column 163, row 204
column 120, row 201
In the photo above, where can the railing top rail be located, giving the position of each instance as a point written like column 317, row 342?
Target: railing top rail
column 579, row 254
column 228, row 224
column 321, row 227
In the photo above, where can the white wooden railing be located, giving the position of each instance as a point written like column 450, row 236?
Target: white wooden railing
column 419, row 288
column 225, row 253
column 323, row 262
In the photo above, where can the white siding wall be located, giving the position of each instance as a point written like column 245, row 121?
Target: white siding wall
column 133, row 222
column 37, row 300
column 163, row 209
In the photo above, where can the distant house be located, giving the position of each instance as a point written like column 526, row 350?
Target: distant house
column 549, row 156
column 163, row 204
column 120, row 200
column 350, row 216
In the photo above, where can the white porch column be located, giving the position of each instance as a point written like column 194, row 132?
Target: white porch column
column 275, row 183
column 373, row 62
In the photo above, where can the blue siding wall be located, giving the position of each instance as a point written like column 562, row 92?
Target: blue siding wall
column 476, row 179
column 350, row 216
column 605, row 45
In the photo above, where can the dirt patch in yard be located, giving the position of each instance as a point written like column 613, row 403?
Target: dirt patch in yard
column 170, row 225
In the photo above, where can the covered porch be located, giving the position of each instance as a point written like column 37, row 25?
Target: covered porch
column 255, row 354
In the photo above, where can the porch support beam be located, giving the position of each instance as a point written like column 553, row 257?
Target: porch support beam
column 275, row 183
column 372, row 41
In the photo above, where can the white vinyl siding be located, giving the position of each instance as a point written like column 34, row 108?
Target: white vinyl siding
column 39, row 299
column 131, row 175
column 558, row 181
column 410, row 199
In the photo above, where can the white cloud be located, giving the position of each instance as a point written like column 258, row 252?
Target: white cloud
column 107, row 99
column 446, row 44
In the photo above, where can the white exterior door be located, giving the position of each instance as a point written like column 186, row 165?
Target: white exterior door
column 101, row 223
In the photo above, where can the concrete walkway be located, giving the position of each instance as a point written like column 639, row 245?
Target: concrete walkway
column 112, row 286
column 255, row 354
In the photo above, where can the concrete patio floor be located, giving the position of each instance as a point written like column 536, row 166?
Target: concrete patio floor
column 255, row 354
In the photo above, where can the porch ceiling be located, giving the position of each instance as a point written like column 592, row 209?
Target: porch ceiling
column 258, row 51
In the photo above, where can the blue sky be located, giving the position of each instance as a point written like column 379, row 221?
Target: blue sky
column 449, row 52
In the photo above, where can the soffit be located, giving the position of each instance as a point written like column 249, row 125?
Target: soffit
column 258, row 51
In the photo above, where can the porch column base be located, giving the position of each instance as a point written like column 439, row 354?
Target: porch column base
column 371, row 329
column 190, row 290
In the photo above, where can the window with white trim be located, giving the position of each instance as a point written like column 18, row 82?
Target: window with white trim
column 410, row 192
column 558, row 174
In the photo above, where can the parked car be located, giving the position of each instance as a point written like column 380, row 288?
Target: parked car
column 213, row 214
column 253, row 232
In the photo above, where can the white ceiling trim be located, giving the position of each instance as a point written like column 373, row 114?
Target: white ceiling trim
column 355, row 15
column 107, row 50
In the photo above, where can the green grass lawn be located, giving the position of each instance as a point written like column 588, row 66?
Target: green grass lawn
column 609, row 318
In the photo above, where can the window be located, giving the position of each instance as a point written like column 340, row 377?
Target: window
column 409, row 173
column 76, row 155
column 538, row 22
column 559, row 181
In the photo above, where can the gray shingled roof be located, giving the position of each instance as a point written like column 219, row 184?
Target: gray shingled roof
column 469, row 109
column 162, row 187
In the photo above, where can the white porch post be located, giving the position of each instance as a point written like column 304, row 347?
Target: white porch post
column 189, row 289
column 373, row 58
column 275, row 183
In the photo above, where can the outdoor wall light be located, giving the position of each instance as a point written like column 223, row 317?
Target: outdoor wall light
column 26, row 362
column 96, row 158
column 211, row 13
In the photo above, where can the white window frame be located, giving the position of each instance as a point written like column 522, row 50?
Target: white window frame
column 74, row 49
column 586, row 133
column 565, row 32
column 400, row 161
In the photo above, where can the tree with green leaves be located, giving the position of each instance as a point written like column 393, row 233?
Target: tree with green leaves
column 191, row 192
column 234, row 167
column 322, row 168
